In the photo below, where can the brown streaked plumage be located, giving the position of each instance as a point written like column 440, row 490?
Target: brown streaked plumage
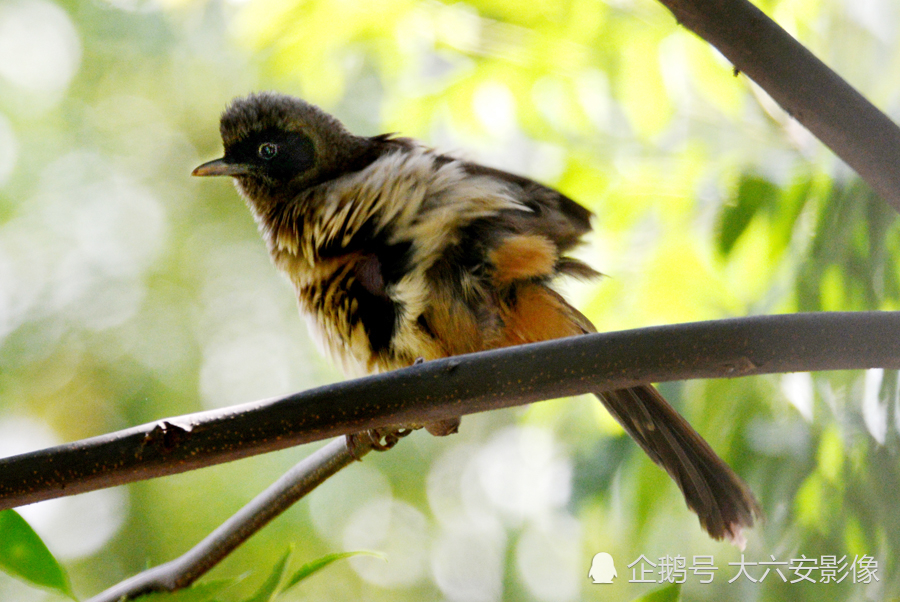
column 398, row 252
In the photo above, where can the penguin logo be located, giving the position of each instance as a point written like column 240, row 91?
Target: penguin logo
column 603, row 570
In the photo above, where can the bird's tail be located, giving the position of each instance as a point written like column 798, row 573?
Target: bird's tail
column 722, row 501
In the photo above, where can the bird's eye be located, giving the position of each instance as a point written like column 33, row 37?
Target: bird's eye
column 267, row 151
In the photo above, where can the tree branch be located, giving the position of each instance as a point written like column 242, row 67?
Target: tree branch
column 293, row 485
column 457, row 386
column 864, row 137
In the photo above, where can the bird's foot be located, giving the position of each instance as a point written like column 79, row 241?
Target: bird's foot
column 380, row 439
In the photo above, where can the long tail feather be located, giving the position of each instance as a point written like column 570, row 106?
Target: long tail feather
column 722, row 501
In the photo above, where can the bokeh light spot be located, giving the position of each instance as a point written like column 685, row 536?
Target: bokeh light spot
column 467, row 562
column 549, row 556
column 39, row 46
column 394, row 528
column 524, row 473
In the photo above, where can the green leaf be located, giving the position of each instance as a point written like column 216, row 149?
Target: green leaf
column 320, row 563
column 266, row 591
column 24, row 555
column 785, row 215
column 669, row 593
column 754, row 193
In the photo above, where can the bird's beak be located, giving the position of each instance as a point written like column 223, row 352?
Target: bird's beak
column 220, row 167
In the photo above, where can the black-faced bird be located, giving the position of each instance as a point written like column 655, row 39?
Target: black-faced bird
column 400, row 253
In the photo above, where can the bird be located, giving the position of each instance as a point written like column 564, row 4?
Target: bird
column 399, row 253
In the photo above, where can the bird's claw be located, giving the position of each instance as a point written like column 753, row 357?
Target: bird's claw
column 379, row 439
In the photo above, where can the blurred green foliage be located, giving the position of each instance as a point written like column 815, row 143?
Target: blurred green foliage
column 129, row 292
column 24, row 555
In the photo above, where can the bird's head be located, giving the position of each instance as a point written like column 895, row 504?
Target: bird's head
column 277, row 144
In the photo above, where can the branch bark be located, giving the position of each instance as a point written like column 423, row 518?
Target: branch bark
column 458, row 386
column 190, row 566
column 864, row 137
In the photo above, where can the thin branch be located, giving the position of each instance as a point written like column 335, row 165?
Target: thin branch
column 864, row 137
column 293, row 485
column 455, row 387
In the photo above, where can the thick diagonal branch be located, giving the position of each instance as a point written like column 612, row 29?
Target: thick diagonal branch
column 864, row 137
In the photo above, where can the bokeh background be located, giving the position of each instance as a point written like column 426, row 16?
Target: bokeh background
column 130, row 292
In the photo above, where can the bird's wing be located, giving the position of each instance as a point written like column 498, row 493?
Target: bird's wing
column 550, row 212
